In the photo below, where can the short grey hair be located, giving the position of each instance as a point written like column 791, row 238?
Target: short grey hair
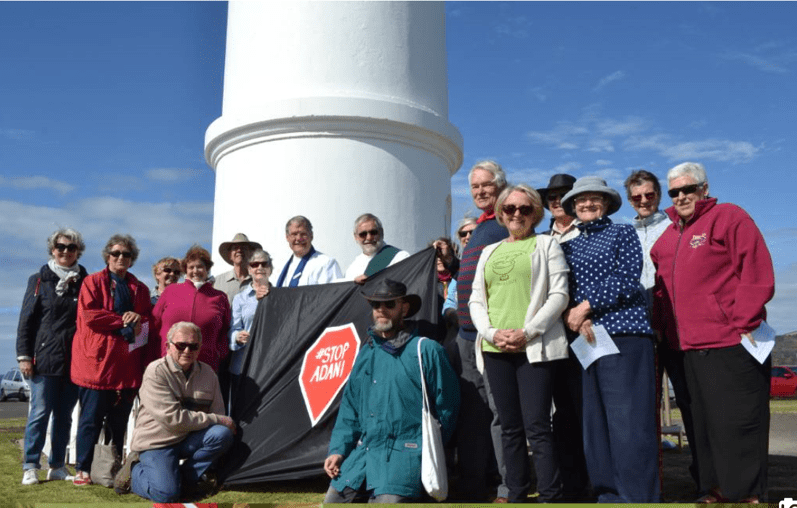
column 259, row 254
column 117, row 239
column 368, row 217
column 499, row 177
column 695, row 170
column 69, row 233
column 300, row 220
column 184, row 325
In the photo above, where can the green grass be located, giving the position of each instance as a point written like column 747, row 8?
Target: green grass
column 60, row 494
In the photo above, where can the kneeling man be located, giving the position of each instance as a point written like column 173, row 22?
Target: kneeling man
column 375, row 449
column 181, row 417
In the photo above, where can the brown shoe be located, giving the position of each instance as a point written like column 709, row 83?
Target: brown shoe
column 122, row 480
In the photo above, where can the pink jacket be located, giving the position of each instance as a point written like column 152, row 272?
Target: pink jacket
column 100, row 356
column 207, row 308
column 713, row 277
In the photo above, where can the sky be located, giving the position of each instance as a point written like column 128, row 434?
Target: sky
column 104, row 107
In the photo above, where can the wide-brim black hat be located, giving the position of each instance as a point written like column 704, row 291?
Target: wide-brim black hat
column 558, row 181
column 388, row 290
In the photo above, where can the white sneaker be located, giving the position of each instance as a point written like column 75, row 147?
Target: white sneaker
column 30, row 477
column 61, row 473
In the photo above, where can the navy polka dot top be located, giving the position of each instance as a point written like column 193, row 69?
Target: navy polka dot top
column 605, row 266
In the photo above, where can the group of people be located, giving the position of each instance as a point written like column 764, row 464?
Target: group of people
column 678, row 289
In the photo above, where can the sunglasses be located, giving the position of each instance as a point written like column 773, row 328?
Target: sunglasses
column 463, row 234
column 552, row 196
column 125, row 254
column 258, row 264
column 686, row 189
column 523, row 209
column 390, row 304
column 170, row 270
column 637, row 198
column 364, row 234
column 60, row 247
column 182, row 345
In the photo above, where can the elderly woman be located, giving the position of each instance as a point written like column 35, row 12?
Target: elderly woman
column 166, row 271
column 106, row 364
column 244, row 306
column 196, row 301
column 464, row 232
column 519, row 293
column 619, row 392
column 713, row 277
column 44, row 348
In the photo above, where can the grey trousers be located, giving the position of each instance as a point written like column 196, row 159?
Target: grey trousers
column 349, row 495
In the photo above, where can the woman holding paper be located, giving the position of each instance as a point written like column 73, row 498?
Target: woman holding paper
column 607, row 308
column 713, row 277
column 519, row 294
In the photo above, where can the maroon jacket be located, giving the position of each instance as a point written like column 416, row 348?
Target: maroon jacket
column 713, row 277
column 100, row 356
column 208, row 308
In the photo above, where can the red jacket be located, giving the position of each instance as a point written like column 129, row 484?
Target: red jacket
column 100, row 356
column 208, row 308
column 713, row 277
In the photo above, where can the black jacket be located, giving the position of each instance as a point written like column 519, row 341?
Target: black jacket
column 47, row 322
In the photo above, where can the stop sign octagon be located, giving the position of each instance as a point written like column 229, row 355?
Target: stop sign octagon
column 326, row 368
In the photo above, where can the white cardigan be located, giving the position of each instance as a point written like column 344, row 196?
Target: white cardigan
column 545, row 333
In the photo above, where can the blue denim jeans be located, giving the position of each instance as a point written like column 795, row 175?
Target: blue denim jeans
column 54, row 395
column 95, row 407
column 158, row 475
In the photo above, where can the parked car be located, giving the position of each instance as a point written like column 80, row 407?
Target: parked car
column 14, row 385
column 784, row 382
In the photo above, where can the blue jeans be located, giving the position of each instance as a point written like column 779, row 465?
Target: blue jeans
column 54, row 395
column 158, row 475
column 95, row 406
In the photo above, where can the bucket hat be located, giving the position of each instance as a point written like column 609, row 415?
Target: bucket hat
column 592, row 184
column 226, row 247
column 558, row 181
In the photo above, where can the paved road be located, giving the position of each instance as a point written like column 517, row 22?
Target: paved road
column 13, row 409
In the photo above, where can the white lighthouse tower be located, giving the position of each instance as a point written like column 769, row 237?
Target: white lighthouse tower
column 331, row 110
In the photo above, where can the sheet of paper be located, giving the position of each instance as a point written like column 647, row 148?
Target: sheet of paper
column 588, row 353
column 141, row 338
column 764, row 337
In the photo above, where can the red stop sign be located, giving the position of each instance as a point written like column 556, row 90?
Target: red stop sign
column 326, row 368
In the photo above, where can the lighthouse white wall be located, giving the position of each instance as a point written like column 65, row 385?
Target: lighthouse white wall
column 333, row 109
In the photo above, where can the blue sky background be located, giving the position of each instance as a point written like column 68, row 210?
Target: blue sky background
column 103, row 109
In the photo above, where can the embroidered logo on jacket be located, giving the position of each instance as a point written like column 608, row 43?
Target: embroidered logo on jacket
column 697, row 241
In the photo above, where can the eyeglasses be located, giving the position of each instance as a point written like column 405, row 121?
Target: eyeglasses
column 523, row 209
column 552, row 196
column 390, row 304
column 258, row 264
column 463, row 234
column 583, row 199
column 650, row 196
column 60, row 247
column 125, row 254
column 364, row 234
column 686, row 189
column 192, row 346
column 169, row 270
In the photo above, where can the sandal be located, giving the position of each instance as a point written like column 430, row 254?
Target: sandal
column 81, row 478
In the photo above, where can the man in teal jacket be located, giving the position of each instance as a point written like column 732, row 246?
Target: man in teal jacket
column 375, row 449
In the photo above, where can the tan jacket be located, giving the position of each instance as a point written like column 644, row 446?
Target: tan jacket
column 173, row 406
column 549, row 298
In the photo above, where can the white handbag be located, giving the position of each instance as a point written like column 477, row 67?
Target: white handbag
column 433, row 460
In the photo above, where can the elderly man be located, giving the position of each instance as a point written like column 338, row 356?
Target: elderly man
column 307, row 266
column 181, row 416
column 378, row 458
column 479, row 430
column 236, row 253
column 713, row 278
column 644, row 193
column 377, row 255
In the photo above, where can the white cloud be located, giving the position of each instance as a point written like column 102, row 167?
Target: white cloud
column 780, row 310
column 712, row 149
column 17, row 134
column 600, row 145
column 758, row 62
column 602, row 162
column 517, row 27
column 171, row 174
column 36, row 182
column 561, row 136
column 615, row 76
column 613, row 128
